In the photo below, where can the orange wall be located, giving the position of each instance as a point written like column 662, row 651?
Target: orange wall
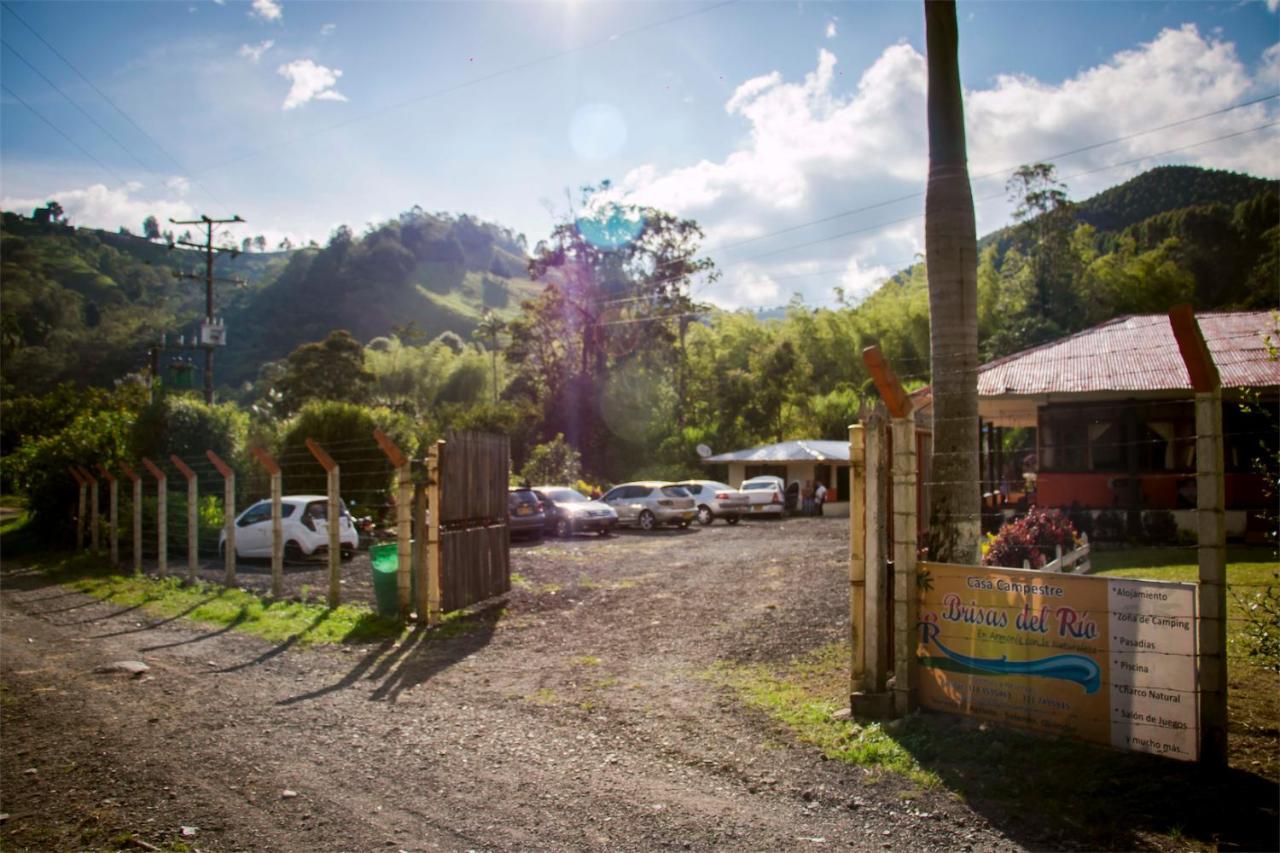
column 1159, row 491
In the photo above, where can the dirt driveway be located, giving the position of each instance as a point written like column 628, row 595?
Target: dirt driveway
column 578, row 716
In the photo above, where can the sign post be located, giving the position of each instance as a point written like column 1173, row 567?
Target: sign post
column 1211, row 527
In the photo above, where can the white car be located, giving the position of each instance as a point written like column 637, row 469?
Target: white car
column 716, row 500
column 766, row 495
column 304, row 522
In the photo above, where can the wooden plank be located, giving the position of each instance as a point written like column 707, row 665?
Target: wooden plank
column 857, row 561
column 895, row 398
column 420, row 565
column 162, row 517
column 904, row 560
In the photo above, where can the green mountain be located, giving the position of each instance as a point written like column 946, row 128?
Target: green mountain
column 84, row 305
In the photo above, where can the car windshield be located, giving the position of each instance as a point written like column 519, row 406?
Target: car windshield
column 759, row 485
column 565, row 496
column 674, row 492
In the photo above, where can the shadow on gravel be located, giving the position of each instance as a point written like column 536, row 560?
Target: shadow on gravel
column 397, row 667
column 241, row 615
column 281, row 647
column 151, row 626
column 1066, row 795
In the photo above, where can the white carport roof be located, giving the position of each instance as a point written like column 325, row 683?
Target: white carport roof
column 800, row 450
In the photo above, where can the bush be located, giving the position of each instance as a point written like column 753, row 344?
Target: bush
column 1262, row 626
column 1159, row 527
column 39, row 468
column 1032, row 538
column 1110, row 526
column 187, row 427
column 554, row 463
column 345, row 432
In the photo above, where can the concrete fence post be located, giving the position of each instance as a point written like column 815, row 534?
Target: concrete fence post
column 404, row 528
column 82, row 489
column 162, row 516
column 113, row 520
column 857, row 561
column 228, row 517
column 335, row 533
column 95, row 521
column 136, row 481
column 903, row 523
column 277, row 521
column 193, row 516
column 1211, row 553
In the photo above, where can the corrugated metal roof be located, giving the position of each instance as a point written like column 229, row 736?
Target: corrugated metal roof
column 806, row 450
column 1138, row 353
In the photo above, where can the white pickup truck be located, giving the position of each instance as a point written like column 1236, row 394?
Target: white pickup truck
column 765, row 494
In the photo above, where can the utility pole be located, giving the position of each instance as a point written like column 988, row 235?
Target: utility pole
column 212, row 333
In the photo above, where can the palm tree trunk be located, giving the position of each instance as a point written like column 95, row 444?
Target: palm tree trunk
column 951, row 255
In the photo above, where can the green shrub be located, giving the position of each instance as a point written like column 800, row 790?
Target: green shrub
column 345, row 432
column 39, row 468
column 1159, row 527
column 187, row 427
column 554, row 463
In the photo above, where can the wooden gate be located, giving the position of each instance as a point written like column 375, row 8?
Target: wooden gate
column 474, row 558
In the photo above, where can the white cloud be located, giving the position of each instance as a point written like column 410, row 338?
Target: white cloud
column 178, row 184
column 99, row 206
column 831, row 30
column 254, row 52
column 327, row 29
column 818, row 146
column 1273, row 5
column 267, row 10
column 220, row 2
column 748, row 287
column 311, row 82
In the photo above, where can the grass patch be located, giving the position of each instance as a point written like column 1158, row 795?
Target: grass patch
column 1253, row 692
column 804, row 694
column 171, row 598
column 587, row 660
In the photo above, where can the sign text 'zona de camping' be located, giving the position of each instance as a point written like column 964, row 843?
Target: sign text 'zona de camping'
column 1108, row 660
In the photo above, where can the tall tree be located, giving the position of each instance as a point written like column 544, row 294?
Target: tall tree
column 151, row 228
column 951, row 256
column 489, row 327
column 332, row 369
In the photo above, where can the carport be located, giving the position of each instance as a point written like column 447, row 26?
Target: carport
column 795, row 461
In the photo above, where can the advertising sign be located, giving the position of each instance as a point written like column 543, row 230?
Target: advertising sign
column 1108, row 660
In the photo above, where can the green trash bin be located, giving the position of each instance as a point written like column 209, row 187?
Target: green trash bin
column 385, row 563
column 385, row 559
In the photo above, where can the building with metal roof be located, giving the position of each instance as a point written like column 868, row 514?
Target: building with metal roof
column 1114, row 423
column 796, row 462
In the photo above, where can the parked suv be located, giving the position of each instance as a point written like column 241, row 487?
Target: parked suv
column 648, row 504
column 304, row 523
column 716, row 500
column 525, row 516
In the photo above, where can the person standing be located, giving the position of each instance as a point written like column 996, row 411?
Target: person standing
column 806, row 497
column 819, row 498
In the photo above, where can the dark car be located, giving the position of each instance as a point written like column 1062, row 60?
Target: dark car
column 569, row 511
column 524, row 513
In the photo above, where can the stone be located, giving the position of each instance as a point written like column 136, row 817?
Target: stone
column 286, row 794
column 135, row 668
column 842, row 714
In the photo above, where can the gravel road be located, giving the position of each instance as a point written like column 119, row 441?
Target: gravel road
column 577, row 716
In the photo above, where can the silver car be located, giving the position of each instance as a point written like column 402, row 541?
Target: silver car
column 716, row 500
column 648, row 504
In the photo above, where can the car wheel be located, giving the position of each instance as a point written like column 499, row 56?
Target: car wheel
column 347, row 553
column 646, row 520
column 704, row 515
column 605, row 532
column 293, row 552
column 563, row 528
column 733, row 519
column 684, row 525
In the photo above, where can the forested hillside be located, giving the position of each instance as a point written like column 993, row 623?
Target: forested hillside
column 601, row 343
column 83, row 305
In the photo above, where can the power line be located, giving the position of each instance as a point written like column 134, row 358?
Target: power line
column 60, row 132
column 993, row 173
column 181, row 168
column 81, row 109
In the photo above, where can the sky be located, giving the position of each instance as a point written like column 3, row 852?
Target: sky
column 794, row 133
